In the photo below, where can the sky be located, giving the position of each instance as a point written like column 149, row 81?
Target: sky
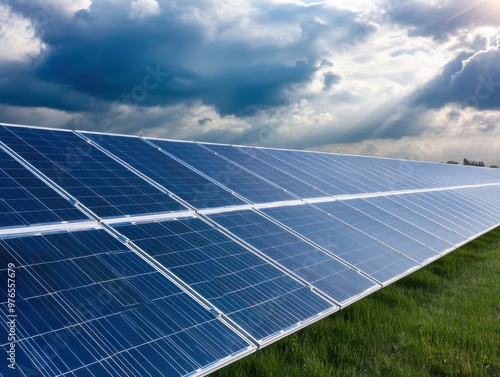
column 414, row 79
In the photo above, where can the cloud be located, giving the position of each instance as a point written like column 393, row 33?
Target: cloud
column 17, row 37
column 144, row 8
column 440, row 19
column 469, row 80
column 330, row 79
column 100, row 54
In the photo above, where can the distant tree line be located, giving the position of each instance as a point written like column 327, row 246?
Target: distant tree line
column 474, row 163
column 471, row 163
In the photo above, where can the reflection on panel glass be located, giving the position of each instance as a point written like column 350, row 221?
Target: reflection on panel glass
column 96, row 180
column 318, row 268
column 370, row 256
column 26, row 200
column 86, row 304
column 259, row 297
column 230, row 175
column 171, row 174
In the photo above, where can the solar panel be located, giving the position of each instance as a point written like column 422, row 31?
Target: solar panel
column 381, row 231
column 26, row 200
column 137, row 256
column 316, row 267
column 195, row 189
column 366, row 253
column 87, row 305
column 257, row 296
column 346, row 178
column 420, row 235
column 339, row 181
column 397, row 177
column 477, row 215
column 96, row 180
column 293, row 185
column 450, row 210
column 419, row 220
column 224, row 172
column 432, row 212
column 303, row 175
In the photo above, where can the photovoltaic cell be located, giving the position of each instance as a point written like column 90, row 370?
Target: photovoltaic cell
column 486, row 200
column 404, row 227
column 440, row 216
column 299, row 160
column 368, row 170
column 321, row 270
column 26, row 200
column 259, row 297
column 447, row 210
column 417, row 219
column 171, row 174
column 86, row 304
column 272, row 174
column 338, row 170
column 304, row 175
column 392, row 174
column 96, row 180
column 481, row 213
column 382, row 232
column 367, row 254
column 230, row 175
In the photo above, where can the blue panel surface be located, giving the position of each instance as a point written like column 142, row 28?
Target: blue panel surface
column 471, row 206
column 304, row 175
column 378, row 230
column 392, row 174
column 278, row 177
column 171, row 174
column 396, row 174
column 26, row 200
column 401, row 225
column 96, row 180
column 367, row 254
column 452, row 211
column 230, row 175
column 318, row 268
column 484, row 199
column 259, row 297
column 425, row 223
column 337, row 168
column 86, row 304
column 412, row 202
column 334, row 178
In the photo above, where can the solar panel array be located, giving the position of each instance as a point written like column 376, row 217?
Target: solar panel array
column 141, row 256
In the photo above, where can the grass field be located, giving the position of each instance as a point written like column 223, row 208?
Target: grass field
column 443, row 320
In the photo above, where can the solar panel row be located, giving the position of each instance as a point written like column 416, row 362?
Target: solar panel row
column 205, row 252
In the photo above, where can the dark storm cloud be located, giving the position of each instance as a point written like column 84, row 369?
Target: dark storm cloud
column 330, row 79
column 440, row 19
column 102, row 55
column 469, row 80
column 20, row 86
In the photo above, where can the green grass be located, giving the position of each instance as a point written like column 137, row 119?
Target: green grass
column 443, row 320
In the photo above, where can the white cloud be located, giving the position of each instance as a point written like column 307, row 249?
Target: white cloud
column 37, row 116
column 17, row 36
column 68, row 6
column 144, row 8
